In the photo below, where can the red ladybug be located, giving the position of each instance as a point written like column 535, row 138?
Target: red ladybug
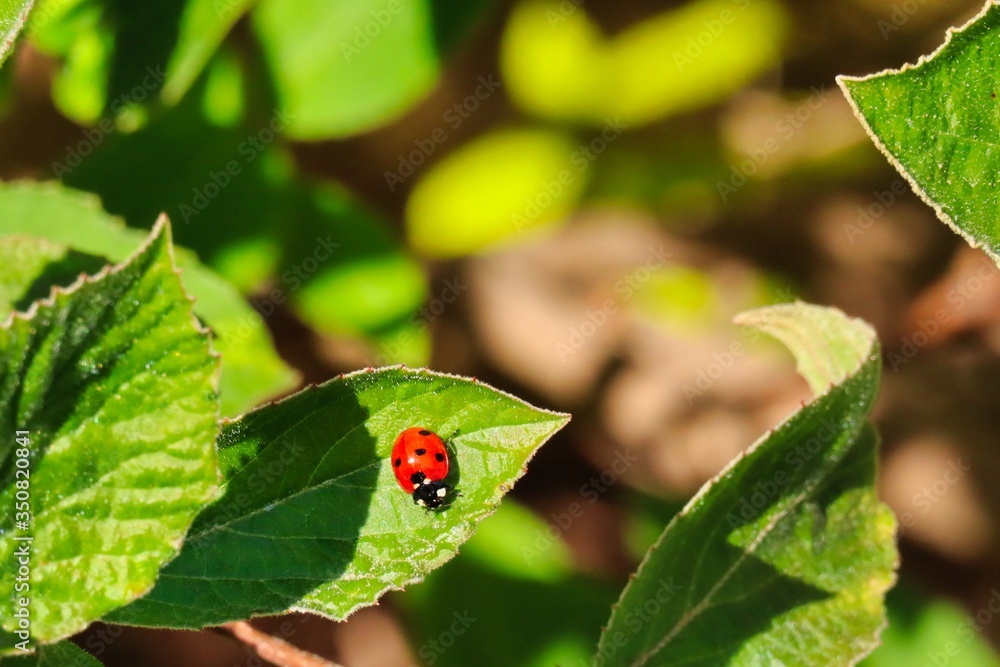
column 420, row 461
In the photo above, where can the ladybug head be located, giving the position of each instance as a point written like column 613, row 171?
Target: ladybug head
column 430, row 494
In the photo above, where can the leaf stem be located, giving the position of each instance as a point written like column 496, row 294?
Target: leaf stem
column 275, row 649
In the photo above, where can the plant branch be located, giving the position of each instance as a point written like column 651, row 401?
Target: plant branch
column 274, row 649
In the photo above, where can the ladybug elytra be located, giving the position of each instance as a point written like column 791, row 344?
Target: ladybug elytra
column 420, row 461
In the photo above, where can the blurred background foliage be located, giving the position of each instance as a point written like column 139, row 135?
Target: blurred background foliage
column 568, row 199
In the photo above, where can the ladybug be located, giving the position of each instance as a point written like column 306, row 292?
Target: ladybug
column 420, row 461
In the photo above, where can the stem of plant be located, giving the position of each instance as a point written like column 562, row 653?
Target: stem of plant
column 274, row 649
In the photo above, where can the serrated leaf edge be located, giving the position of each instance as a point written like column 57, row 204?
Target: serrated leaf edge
column 869, row 358
column 6, row 48
column 492, row 503
column 844, row 80
column 162, row 226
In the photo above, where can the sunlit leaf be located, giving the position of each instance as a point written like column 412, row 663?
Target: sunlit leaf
column 785, row 557
column 13, row 15
column 937, row 123
column 312, row 508
column 113, row 386
column 252, row 370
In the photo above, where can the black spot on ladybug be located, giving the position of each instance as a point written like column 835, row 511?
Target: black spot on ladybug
column 417, row 478
column 399, row 462
column 421, row 451
column 424, row 432
column 439, row 456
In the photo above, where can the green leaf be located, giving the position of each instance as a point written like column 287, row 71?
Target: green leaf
column 494, row 188
column 118, row 53
column 312, row 517
column 32, row 266
column 514, row 578
column 937, row 123
column 203, row 26
column 252, row 370
column 928, row 631
column 348, row 66
column 366, row 284
column 115, row 384
column 63, row 654
column 13, row 14
column 557, row 63
column 785, row 557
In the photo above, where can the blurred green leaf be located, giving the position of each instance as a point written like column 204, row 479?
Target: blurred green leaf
column 936, row 122
column 494, row 188
column 345, row 272
column 785, row 557
column 33, row 265
column 252, row 370
column 13, row 15
column 238, row 201
column 347, row 67
column 63, row 654
column 510, row 598
column 223, row 104
column 313, row 508
column 203, row 26
column 517, row 543
column 926, row 631
column 216, row 183
column 118, row 53
column 558, row 64
column 115, row 386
